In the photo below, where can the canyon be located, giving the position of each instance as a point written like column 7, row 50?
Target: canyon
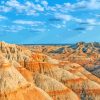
column 50, row 72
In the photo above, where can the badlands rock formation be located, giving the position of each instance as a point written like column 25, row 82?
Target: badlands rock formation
column 49, row 72
column 85, row 54
column 13, row 85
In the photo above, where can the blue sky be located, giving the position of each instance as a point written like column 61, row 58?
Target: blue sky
column 49, row 21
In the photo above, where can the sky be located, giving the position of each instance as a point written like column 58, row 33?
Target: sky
column 49, row 21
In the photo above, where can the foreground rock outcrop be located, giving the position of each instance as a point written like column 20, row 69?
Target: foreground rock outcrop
column 54, row 88
column 13, row 85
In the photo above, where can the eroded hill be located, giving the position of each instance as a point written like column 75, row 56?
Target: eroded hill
column 49, row 72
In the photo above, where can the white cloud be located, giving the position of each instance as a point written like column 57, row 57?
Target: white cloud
column 89, row 28
column 32, row 12
column 51, row 8
column 17, row 27
column 58, row 26
column 68, row 5
column 88, row 21
column 26, row 22
column 28, row 7
column 14, row 28
column 4, row 9
column 45, row 3
column 77, row 20
column 39, row 29
column 15, row 4
column 23, row 22
column 88, row 4
column 97, row 15
column 32, row 6
column 29, row 4
column 2, row 17
column 39, row 7
column 80, row 4
column 64, row 17
column 92, row 22
column 93, row 4
column 58, row 6
column 11, row 28
column 59, row 11
column 33, row 9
